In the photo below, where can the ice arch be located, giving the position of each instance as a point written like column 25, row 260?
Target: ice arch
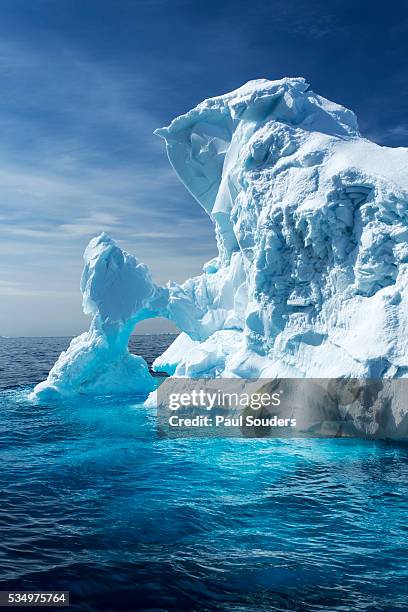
column 118, row 292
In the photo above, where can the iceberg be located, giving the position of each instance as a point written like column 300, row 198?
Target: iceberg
column 311, row 277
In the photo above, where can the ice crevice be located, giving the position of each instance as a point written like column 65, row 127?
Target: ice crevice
column 311, row 277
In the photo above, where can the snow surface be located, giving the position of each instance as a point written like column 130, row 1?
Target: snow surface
column 311, row 222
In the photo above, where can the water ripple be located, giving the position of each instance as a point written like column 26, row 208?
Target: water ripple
column 93, row 503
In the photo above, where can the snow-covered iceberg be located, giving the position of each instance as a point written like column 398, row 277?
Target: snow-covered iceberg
column 311, row 278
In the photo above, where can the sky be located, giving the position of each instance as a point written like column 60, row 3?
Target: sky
column 83, row 85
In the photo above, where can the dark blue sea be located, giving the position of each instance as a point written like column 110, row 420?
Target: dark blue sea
column 92, row 502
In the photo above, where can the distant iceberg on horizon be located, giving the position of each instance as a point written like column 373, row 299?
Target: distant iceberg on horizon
column 311, row 278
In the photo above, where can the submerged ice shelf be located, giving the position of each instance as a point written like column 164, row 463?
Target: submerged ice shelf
column 311, row 221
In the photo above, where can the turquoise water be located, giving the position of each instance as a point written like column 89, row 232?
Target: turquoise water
column 94, row 503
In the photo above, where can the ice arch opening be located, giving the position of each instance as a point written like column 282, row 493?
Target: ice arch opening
column 151, row 337
column 157, row 326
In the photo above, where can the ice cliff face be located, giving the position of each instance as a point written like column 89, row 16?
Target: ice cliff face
column 312, row 227
column 311, row 222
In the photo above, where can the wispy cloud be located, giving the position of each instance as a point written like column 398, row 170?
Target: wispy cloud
column 19, row 289
column 397, row 131
column 77, row 157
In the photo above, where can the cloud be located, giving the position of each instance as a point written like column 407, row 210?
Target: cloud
column 19, row 289
column 394, row 135
column 77, row 157
column 398, row 131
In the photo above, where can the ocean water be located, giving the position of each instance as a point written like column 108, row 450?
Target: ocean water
column 92, row 502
